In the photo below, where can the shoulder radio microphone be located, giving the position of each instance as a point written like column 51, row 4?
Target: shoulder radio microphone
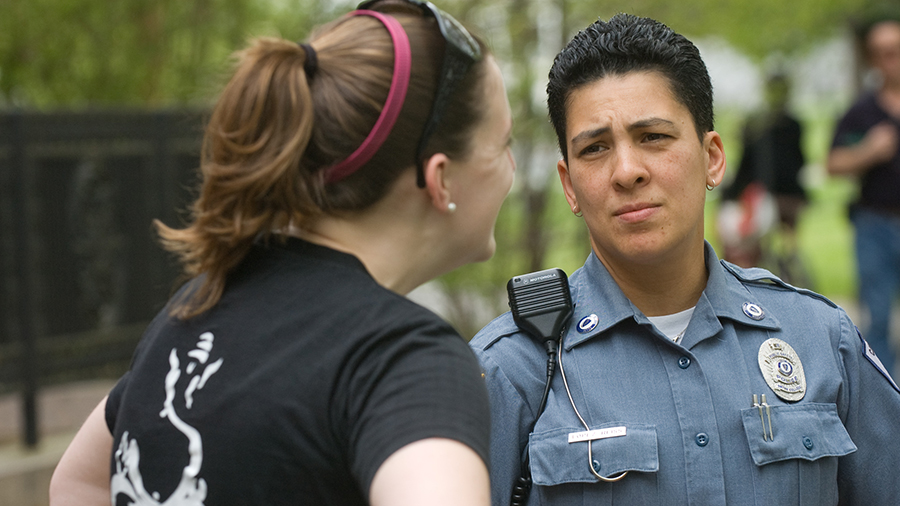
column 541, row 306
column 541, row 303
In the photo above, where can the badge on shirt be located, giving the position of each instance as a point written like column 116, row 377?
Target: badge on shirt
column 782, row 369
column 588, row 323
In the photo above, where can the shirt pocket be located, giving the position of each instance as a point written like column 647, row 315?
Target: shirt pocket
column 556, row 461
column 799, row 465
column 808, row 431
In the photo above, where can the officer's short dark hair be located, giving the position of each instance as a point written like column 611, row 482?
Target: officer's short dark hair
column 624, row 44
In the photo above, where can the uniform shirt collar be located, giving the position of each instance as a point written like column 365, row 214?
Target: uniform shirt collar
column 594, row 292
column 596, row 295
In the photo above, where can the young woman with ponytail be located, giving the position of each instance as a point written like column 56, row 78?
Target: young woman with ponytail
column 338, row 174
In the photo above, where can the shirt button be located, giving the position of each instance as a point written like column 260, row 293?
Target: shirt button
column 684, row 362
column 702, row 439
column 596, row 465
column 808, row 442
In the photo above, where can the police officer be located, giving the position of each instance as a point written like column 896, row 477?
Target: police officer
column 682, row 379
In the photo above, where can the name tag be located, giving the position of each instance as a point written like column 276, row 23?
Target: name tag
column 590, row 435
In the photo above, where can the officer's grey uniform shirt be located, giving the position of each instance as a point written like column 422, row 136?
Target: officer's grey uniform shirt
column 692, row 435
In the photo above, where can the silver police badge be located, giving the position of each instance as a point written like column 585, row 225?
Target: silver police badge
column 782, row 369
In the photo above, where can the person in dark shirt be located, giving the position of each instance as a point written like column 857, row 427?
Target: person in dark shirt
column 866, row 146
column 337, row 175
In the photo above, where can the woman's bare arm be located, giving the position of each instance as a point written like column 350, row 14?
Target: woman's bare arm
column 432, row 472
column 82, row 476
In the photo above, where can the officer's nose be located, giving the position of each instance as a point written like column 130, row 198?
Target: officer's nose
column 629, row 170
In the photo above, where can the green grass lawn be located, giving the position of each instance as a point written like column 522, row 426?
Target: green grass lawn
column 826, row 240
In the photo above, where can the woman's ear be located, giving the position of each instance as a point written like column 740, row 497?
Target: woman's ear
column 436, row 181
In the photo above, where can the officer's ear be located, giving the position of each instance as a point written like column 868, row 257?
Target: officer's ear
column 562, row 168
column 715, row 152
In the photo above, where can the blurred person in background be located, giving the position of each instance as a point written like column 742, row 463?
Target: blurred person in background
column 866, row 145
column 337, row 175
column 681, row 379
column 765, row 194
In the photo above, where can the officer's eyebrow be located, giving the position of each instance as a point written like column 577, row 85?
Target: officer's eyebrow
column 643, row 123
column 650, row 122
column 589, row 134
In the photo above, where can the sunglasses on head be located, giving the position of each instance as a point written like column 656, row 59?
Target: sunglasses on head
column 462, row 50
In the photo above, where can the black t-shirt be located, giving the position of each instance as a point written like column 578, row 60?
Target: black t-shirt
column 293, row 389
column 880, row 186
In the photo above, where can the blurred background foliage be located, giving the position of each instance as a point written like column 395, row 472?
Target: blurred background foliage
column 79, row 54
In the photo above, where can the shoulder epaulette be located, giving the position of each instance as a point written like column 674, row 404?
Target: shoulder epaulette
column 763, row 278
column 500, row 327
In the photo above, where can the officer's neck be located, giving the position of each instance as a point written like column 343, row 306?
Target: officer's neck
column 663, row 287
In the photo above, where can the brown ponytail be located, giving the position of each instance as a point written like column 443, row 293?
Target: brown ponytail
column 250, row 154
column 274, row 130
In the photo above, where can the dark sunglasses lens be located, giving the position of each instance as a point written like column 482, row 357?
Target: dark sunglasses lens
column 452, row 30
column 455, row 33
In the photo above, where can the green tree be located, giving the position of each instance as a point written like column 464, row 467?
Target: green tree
column 147, row 53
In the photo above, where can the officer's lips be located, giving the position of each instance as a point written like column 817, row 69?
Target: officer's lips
column 632, row 213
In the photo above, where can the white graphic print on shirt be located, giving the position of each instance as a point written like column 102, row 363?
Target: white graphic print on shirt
column 191, row 490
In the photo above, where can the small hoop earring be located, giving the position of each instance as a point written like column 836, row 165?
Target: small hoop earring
column 451, row 207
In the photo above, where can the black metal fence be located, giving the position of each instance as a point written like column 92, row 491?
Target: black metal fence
column 80, row 268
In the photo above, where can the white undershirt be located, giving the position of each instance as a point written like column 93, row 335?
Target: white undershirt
column 673, row 325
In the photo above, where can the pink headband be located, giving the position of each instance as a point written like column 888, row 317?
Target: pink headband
column 392, row 106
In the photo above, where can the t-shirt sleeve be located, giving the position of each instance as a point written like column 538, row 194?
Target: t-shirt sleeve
column 113, row 401
column 419, row 383
column 853, row 126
